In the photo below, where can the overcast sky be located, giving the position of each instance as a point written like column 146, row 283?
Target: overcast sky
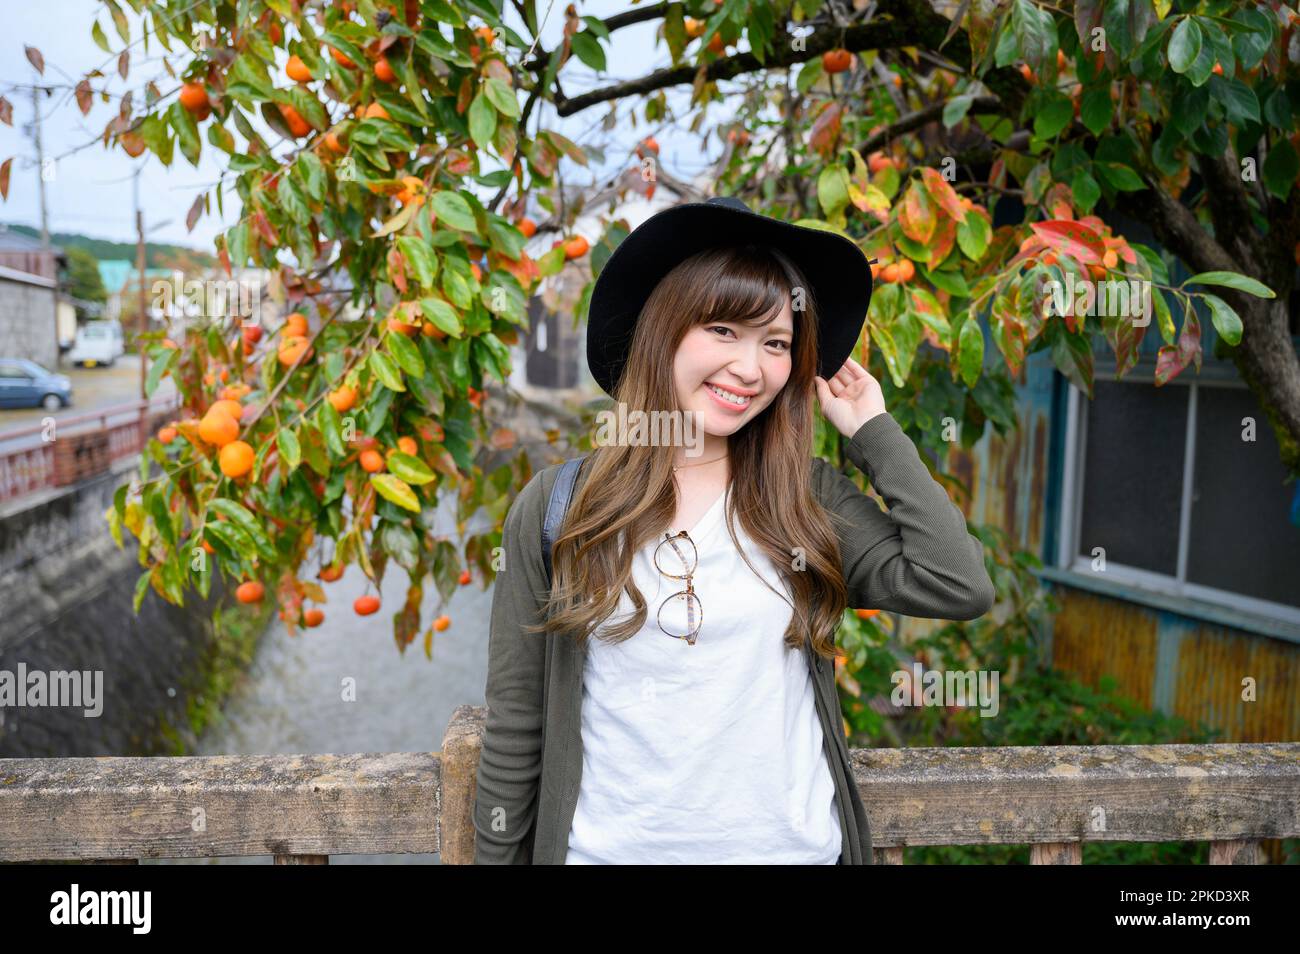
column 91, row 190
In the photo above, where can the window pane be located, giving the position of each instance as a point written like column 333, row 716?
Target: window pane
column 1242, row 538
column 1133, row 474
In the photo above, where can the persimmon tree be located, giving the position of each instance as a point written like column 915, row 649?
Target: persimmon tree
column 385, row 156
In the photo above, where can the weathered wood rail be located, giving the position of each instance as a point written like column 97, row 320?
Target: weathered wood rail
column 303, row 808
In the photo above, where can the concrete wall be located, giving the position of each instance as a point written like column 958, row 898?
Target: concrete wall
column 65, row 604
column 27, row 322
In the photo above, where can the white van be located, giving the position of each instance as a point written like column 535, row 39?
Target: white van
column 97, row 342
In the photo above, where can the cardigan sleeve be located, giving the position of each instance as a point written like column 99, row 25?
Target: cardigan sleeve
column 918, row 558
column 510, row 764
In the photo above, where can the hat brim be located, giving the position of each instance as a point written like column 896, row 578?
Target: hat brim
column 837, row 271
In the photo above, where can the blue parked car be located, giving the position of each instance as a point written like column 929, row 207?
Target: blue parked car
column 25, row 383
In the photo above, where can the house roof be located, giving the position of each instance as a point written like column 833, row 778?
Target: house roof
column 117, row 271
column 11, row 241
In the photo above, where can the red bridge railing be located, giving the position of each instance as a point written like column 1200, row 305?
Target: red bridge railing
column 64, row 450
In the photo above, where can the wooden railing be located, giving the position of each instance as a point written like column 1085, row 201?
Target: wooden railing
column 80, row 445
column 303, row 808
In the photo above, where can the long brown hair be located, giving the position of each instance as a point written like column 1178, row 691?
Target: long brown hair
column 630, row 492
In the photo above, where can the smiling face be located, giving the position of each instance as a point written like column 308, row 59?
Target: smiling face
column 751, row 363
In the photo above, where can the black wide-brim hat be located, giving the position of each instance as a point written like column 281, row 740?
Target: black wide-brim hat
column 837, row 271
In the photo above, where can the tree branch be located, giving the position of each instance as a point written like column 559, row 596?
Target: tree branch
column 981, row 104
column 1180, row 232
column 1229, row 205
column 908, row 23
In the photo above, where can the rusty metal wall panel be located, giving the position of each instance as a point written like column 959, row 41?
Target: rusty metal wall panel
column 1095, row 636
column 1008, row 476
column 1181, row 666
column 1206, row 667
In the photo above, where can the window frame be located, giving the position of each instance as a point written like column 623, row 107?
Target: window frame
column 1071, row 567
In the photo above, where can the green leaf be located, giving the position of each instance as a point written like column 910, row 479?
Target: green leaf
column 1120, row 177
column 157, row 369
column 954, row 111
column 1232, row 280
column 386, row 371
column 1226, row 321
column 1184, row 45
column 419, row 255
column 503, row 295
column 505, row 238
column 187, row 132
column 1096, row 109
column 482, row 121
column 313, row 175
column 411, row 469
column 970, row 345
column 1237, row 98
column 1164, row 319
column 398, row 221
column 401, row 543
column 331, row 426
column 290, row 451
column 833, row 191
column 1085, row 190
column 597, row 26
column 442, row 315
column 406, row 354
column 589, row 50
column 1281, row 167
column 396, row 490
column 1053, row 116
column 502, row 97
column 1035, row 33
column 453, row 211
column 101, row 41
column 973, row 235
column 242, row 518
column 142, row 584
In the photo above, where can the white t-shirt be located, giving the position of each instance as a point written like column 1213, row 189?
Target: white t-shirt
column 711, row 753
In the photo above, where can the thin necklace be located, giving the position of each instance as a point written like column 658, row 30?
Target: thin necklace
column 700, row 464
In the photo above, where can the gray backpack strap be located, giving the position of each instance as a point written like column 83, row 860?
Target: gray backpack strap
column 558, row 506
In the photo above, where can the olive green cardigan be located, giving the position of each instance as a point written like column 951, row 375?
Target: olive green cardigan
column 917, row 559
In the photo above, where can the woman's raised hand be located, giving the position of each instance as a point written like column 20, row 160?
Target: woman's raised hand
column 851, row 398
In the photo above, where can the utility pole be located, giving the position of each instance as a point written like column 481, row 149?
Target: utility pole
column 45, row 219
column 40, row 164
column 139, row 264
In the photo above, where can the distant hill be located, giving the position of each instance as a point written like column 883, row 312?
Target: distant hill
column 157, row 254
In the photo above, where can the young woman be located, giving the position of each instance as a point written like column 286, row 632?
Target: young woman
column 669, row 695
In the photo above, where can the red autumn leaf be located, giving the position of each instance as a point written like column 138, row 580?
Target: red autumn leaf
column 464, row 95
column 459, row 162
column 124, row 63
column 945, row 197
column 6, row 112
column 1171, row 359
column 826, row 128
column 265, row 228
column 1075, row 239
column 1059, row 201
column 543, row 157
column 195, row 211
column 916, row 214
column 4, row 178
column 34, row 57
column 225, row 258
column 84, row 97
column 397, row 269
column 945, row 236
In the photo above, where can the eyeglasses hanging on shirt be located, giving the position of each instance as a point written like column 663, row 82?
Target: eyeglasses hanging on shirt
column 680, row 615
